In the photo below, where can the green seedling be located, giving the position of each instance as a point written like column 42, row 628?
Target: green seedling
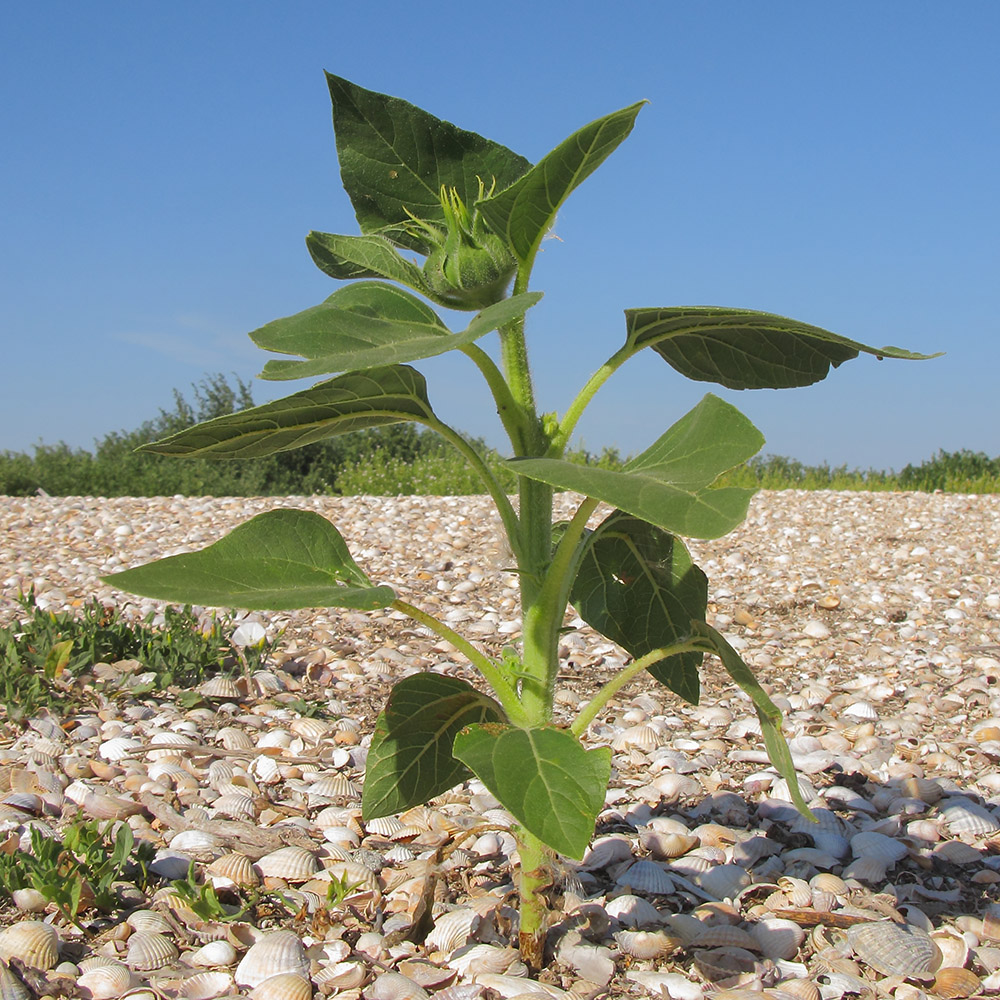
column 80, row 872
column 478, row 213
column 202, row 899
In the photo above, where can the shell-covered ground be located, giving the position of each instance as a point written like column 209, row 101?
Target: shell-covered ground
column 873, row 620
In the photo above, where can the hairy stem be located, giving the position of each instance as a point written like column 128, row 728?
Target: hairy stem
column 486, row 666
column 584, row 396
column 534, row 876
column 507, row 408
column 590, row 711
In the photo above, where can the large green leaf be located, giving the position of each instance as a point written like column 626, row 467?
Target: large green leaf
column 544, row 777
column 524, row 212
column 368, row 324
column 278, row 561
column 395, row 157
column 638, row 586
column 410, row 759
column 347, row 403
column 767, row 712
column 743, row 349
column 669, row 484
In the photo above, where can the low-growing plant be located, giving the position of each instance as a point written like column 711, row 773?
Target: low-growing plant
column 477, row 212
column 79, row 872
column 44, row 653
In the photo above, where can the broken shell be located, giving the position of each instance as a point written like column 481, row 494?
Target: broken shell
column 895, row 949
column 667, row 845
column 206, row 985
column 31, row 941
column 274, row 954
column 12, row 987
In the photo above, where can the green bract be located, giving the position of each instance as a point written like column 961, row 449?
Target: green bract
column 478, row 212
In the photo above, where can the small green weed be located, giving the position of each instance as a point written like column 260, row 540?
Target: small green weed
column 80, row 872
column 43, row 655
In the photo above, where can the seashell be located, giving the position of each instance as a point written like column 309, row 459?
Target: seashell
column 453, row 929
column 591, row 962
column 717, row 964
column 149, row 922
column 12, row 987
column 232, row 869
column 213, row 954
column 340, row 976
column 866, row 870
column 31, row 941
column 234, row 739
column 118, row 748
column 667, row 845
column 206, row 986
column 633, row 911
column 148, row 951
column 105, row 982
column 647, row 944
column 395, row 986
column 878, row 846
column 284, row 986
column 607, row 851
column 29, row 900
column 273, row 954
column 311, row 730
column 97, row 805
column 801, row 989
column 236, row 805
column 334, row 786
column 957, row 853
column 510, row 987
column 199, row 843
column 925, row 789
column 646, row 876
column 952, row 945
column 953, row 983
column 828, row 882
column 293, row 864
column 777, row 938
column 475, row 958
column 895, row 949
column 724, row 881
column 666, row 984
column 724, row 936
column 963, row 816
column 220, row 688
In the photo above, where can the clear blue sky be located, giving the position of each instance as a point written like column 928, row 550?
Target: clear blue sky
column 838, row 163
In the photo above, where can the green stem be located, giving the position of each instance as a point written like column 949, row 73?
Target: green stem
column 534, row 876
column 585, row 395
column 543, row 618
column 507, row 408
column 503, row 505
column 484, row 664
column 606, row 693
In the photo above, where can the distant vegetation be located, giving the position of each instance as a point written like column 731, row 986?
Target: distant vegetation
column 394, row 460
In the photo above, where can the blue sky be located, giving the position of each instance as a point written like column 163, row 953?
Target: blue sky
column 837, row 163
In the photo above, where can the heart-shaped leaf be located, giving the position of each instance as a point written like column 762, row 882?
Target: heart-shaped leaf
column 524, row 212
column 767, row 712
column 638, row 586
column 395, row 158
column 368, row 324
column 543, row 776
column 350, row 402
column 669, row 484
column 410, row 759
column 281, row 560
column 743, row 349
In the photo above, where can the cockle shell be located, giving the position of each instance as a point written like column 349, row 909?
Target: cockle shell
column 963, row 816
column 274, row 954
column 213, row 954
column 646, row 876
column 895, row 949
column 236, row 805
column 206, row 986
column 801, row 989
column 453, row 929
column 605, row 851
column 11, row 985
column 149, row 922
column 293, row 864
column 199, row 843
column 724, row 881
column 148, row 951
column 221, row 688
column 475, row 958
column 395, row 986
column 718, row 964
column 777, row 938
column 285, row 986
column 232, row 869
column 953, row 983
column 104, row 982
column 877, row 845
column 647, row 944
column 666, row 845
column 31, row 941
column 633, row 911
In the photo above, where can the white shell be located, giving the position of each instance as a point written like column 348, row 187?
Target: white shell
column 294, row 864
column 274, row 954
column 646, row 876
column 453, row 929
column 962, row 815
column 633, row 911
column 213, row 954
column 778, row 938
column 148, row 951
column 879, row 846
column 106, row 982
column 285, row 986
column 206, row 985
column 33, row 942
